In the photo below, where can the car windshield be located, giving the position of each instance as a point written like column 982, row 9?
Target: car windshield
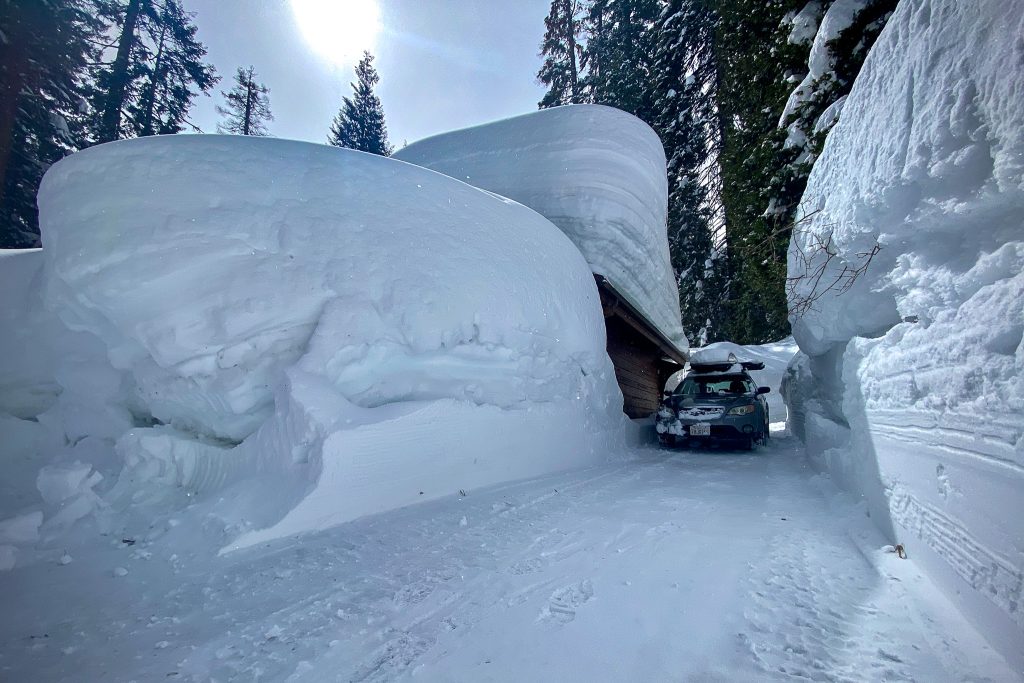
column 720, row 385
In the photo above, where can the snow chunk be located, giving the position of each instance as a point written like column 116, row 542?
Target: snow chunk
column 838, row 18
column 57, row 483
column 596, row 172
column 828, row 118
column 21, row 529
column 805, row 23
column 8, row 557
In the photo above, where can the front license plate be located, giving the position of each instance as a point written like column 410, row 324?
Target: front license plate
column 700, row 429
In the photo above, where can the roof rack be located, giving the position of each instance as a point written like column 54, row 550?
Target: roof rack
column 726, row 365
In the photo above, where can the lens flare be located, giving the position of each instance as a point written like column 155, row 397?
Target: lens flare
column 338, row 29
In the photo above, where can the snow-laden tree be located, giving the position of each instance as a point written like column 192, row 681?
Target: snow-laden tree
column 45, row 46
column 754, row 61
column 247, row 105
column 686, row 69
column 562, row 50
column 620, row 53
column 359, row 124
column 839, row 34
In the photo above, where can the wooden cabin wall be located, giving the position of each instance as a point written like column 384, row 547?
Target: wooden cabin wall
column 636, row 368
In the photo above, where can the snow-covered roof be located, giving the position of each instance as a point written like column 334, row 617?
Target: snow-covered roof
column 597, row 173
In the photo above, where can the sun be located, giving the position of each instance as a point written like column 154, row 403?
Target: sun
column 338, row 29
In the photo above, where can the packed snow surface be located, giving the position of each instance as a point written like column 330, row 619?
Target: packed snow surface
column 662, row 566
column 280, row 336
column 596, row 172
column 911, row 384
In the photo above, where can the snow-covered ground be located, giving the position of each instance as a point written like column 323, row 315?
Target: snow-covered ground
column 664, row 566
column 660, row 565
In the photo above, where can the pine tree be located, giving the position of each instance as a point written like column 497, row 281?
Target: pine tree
column 248, row 106
column 113, row 83
column 754, row 57
column 156, row 72
column 44, row 50
column 359, row 124
column 620, row 53
column 763, row 172
column 810, row 115
column 174, row 75
column 562, row 52
column 688, row 123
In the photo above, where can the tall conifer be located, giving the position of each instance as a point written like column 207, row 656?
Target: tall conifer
column 359, row 124
column 562, row 51
column 45, row 48
column 247, row 106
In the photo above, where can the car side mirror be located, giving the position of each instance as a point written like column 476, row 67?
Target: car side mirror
column 764, row 390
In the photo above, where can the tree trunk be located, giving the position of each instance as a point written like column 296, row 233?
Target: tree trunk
column 147, row 117
column 110, row 121
column 570, row 39
column 14, row 58
column 247, row 117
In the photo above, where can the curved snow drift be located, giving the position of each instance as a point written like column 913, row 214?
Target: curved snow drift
column 596, row 172
column 219, row 261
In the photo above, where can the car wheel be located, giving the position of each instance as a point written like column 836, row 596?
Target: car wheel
column 750, row 443
column 667, row 439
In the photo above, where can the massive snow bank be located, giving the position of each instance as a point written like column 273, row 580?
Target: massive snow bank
column 596, row 172
column 219, row 261
column 910, row 386
column 280, row 322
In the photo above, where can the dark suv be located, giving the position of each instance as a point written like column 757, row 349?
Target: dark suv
column 715, row 402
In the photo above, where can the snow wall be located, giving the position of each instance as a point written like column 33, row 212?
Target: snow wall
column 910, row 386
column 281, row 336
column 596, row 172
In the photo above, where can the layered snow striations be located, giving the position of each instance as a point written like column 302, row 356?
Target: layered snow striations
column 596, row 172
column 393, row 282
column 911, row 383
column 272, row 323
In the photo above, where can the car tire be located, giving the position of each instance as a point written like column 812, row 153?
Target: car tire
column 668, row 440
column 751, row 443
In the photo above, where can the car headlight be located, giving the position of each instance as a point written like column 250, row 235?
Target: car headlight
column 742, row 410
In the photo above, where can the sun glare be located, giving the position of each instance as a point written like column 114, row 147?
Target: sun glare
column 338, row 29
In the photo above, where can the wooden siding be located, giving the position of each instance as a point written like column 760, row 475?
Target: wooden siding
column 636, row 368
column 642, row 357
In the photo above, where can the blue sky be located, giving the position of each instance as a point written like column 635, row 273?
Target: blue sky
column 443, row 64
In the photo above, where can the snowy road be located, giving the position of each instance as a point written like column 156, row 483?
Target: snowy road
column 666, row 566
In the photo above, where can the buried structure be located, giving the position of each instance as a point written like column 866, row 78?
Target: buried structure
column 599, row 175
